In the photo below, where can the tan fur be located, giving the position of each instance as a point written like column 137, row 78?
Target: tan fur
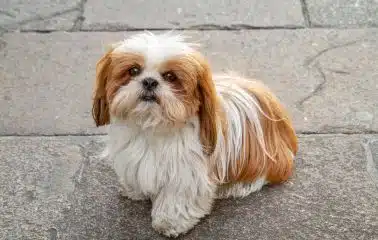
column 111, row 74
column 100, row 108
column 185, row 86
column 196, row 89
column 209, row 108
column 280, row 142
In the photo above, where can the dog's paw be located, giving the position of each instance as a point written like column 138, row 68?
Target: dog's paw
column 133, row 195
column 172, row 228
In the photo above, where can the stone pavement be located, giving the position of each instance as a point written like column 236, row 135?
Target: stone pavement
column 320, row 57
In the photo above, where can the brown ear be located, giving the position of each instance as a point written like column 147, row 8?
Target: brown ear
column 100, row 109
column 208, row 105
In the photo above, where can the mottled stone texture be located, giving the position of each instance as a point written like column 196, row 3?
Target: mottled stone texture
column 39, row 15
column 343, row 13
column 119, row 14
column 326, row 78
column 64, row 189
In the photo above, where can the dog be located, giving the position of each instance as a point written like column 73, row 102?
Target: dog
column 182, row 136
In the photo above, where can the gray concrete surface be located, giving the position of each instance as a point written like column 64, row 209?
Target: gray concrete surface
column 64, row 189
column 320, row 57
column 48, row 15
column 342, row 13
column 39, row 15
column 159, row 14
column 327, row 78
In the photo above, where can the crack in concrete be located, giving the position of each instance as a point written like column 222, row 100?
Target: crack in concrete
column 317, row 89
column 199, row 27
column 372, row 121
column 205, row 27
column 77, row 177
column 79, row 134
column 348, row 26
column 370, row 166
column 310, row 60
column 353, row 131
column 338, row 71
column 348, row 128
column 78, row 23
column 306, row 14
column 3, row 43
column 6, row 13
column 39, row 18
column 342, row 132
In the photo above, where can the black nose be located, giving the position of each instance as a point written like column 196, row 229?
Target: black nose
column 149, row 84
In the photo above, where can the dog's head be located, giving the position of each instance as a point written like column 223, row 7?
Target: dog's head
column 155, row 81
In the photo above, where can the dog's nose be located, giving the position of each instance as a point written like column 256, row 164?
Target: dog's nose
column 150, row 83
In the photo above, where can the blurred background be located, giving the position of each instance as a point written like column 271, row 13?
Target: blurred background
column 320, row 58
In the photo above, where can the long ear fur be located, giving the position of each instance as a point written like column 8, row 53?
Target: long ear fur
column 208, row 105
column 100, row 109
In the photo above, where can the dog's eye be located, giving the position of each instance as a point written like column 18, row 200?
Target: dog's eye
column 134, row 71
column 170, row 76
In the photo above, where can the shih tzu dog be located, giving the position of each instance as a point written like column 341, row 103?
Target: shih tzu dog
column 181, row 136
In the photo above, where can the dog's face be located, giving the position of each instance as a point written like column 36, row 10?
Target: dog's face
column 155, row 81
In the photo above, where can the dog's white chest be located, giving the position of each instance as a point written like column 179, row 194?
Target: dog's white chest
column 147, row 161
column 141, row 166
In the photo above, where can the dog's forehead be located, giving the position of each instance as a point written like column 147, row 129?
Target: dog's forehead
column 155, row 48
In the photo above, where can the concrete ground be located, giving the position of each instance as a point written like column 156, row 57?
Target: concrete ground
column 320, row 57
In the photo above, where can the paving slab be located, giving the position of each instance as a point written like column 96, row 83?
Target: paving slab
column 38, row 15
column 119, row 14
column 59, row 188
column 62, row 22
column 326, row 78
column 343, row 13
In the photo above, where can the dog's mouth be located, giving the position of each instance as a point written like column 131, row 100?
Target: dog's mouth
column 149, row 98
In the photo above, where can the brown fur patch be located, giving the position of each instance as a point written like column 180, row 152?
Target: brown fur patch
column 276, row 162
column 196, row 89
column 111, row 74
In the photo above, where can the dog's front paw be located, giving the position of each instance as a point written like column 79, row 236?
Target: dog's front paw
column 131, row 194
column 172, row 227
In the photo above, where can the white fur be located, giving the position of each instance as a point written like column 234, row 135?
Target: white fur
column 166, row 166
column 239, row 107
column 166, row 163
column 240, row 189
column 156, row 48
